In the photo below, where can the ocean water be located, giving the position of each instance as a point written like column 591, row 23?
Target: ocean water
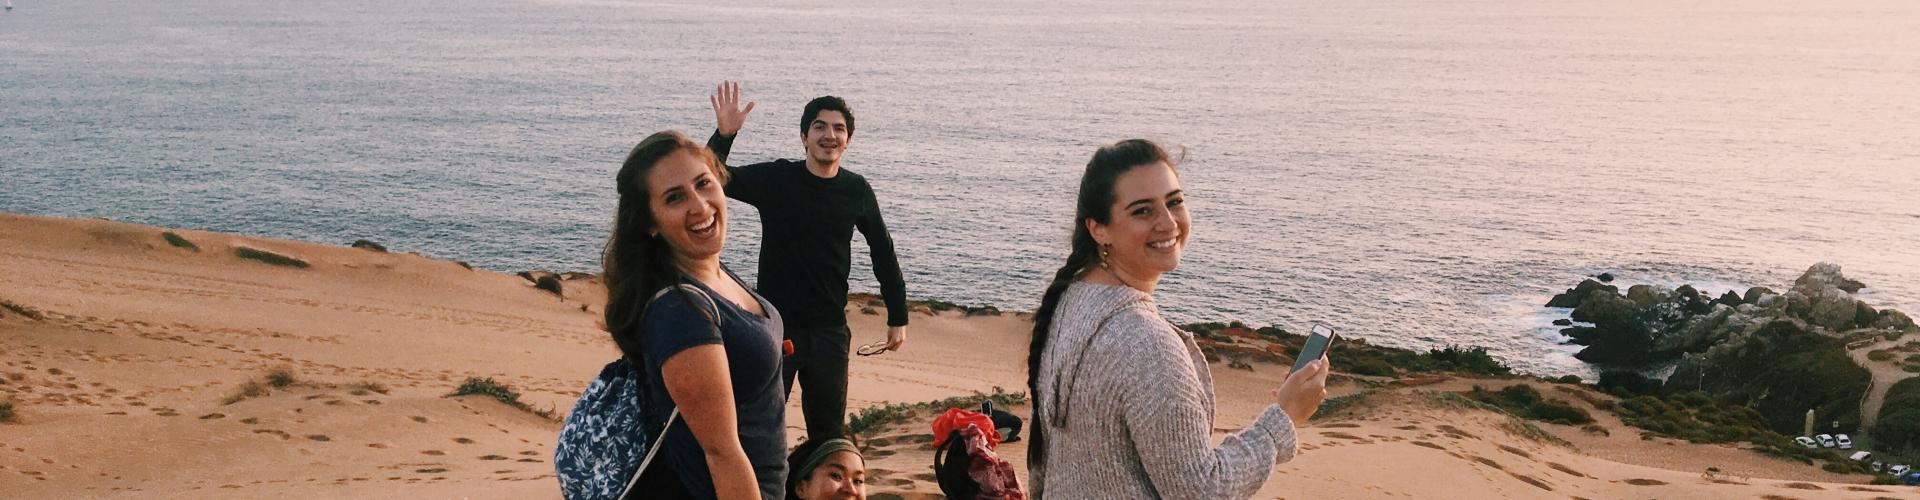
column 1416, row 173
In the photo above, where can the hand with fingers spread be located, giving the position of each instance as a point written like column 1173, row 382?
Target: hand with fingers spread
column 1303, row 391
column 728, row 116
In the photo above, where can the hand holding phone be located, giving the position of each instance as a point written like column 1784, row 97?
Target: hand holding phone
column 1316, row 346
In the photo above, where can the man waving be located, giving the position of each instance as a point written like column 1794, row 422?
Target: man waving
column 808, row 212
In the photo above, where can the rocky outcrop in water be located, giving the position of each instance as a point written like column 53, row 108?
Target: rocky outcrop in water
column 1649, row 324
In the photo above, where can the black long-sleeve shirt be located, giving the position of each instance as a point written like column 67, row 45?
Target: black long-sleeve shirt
column 806, row 235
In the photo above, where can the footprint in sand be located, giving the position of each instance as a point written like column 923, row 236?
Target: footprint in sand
column 462, row 440
column 433, row 453
column 1516, row 451
column 435, row 470
column 529, row 460
column 1456, row 432
column 1339, row 425
column 1645, row 482
column 319, row 437
column 1565, row 469
column 1530, row 480
column 213, row 416
column 1486, row 461
column 1343, row 435
column 282, row 434
column 419, row 419
column 529, row 453
column 1803, row 486
column 1429, row 445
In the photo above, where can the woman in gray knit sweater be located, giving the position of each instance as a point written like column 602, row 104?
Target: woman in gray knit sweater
column 1123, row 400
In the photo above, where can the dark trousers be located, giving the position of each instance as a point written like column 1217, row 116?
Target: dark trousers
column 819, row 364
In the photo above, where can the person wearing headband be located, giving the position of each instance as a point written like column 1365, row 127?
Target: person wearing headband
column 826, row 469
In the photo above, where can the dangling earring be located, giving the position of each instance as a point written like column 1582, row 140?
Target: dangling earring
column 1104, row 250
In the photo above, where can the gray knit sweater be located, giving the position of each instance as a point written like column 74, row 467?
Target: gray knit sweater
column 1138, row 410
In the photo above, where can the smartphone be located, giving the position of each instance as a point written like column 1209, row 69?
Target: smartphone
column 1316, row 346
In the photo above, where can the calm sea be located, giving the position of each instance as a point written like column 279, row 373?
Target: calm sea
column 1417, row 173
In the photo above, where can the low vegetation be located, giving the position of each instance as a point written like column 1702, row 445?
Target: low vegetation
column 550, row 283
column 1524, row 401
column 179, row 242
column 500, row 392
column 280, row 378
column 28, row 312
column 1358, row 357
column 1898, row 429
column 878, row 417
column 6, row 411
column 277, row 378
column 269, row 257
column 249, row 390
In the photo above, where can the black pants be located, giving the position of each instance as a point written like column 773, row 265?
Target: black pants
column 819, row 364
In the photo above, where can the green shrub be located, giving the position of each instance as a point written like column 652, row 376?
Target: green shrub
column 177, row 241
column 280, row 378
column 1471, row 360
column 1524, row 401
column 6, row 411
column 499, row 392
column 1559, row 412
column 1627, row 384
column 1334, row 405
column 549, row 283
column 1371, row 366
column 1880, row 355
column 1898, row 429
column 269, row 257
column 1568, row 379
column 1696, row 418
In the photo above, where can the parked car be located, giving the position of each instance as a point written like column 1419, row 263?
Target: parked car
column 1826, row 441
column 1845, row 442
column 1861, row 456
column 1898, row 470
column 1806, row 441
column 1879, row 466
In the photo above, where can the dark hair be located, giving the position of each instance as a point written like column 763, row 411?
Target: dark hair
column 637, row 264
column 798, row 458
column 1095, row 202
column 825, row 103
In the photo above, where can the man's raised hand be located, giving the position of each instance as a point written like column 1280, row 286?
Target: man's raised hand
column 728, row 116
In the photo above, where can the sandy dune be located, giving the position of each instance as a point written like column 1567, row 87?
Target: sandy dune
column 123, row 351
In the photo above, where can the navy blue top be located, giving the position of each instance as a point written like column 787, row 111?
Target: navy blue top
column 676, row 323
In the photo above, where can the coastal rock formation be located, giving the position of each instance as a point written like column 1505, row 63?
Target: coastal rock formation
column 1649, row 323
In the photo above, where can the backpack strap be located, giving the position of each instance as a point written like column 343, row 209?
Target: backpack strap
column 707, row 308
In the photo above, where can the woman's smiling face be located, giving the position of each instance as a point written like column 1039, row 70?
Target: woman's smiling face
column 689, row 205
column 1148, row 225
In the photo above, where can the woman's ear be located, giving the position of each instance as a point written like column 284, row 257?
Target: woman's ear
column 1097, row 230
